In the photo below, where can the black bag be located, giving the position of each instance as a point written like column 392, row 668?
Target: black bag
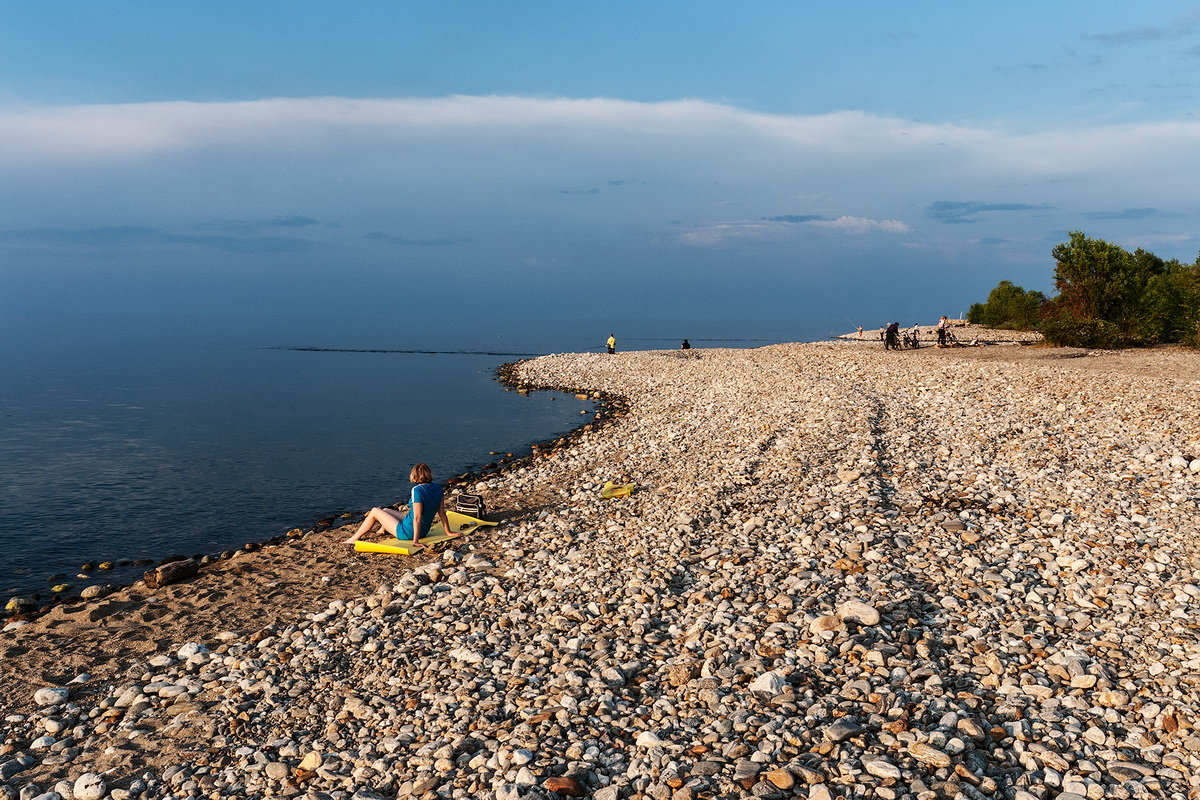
column 470, row 504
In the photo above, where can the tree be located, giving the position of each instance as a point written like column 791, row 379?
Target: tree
column 1107, row 297
column 1008, row 306
column 1100, row 280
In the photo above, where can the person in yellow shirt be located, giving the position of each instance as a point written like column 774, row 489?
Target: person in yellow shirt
column 612, row 344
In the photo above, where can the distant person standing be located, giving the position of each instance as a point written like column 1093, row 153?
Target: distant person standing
column 612, row 344
column 686, row 345
column 860, row 331
column 891, row 337
column 942, row 326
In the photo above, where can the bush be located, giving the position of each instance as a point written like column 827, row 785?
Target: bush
column 1076, row 332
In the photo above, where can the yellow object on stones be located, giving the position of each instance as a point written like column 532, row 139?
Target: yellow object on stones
column 611, row 489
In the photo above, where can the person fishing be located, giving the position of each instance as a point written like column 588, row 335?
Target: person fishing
column 612, row 344
column 427, row 500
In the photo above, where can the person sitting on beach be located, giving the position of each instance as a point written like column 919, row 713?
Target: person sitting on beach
column 426, row 502
column 686, row 345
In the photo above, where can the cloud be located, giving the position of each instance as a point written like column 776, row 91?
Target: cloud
column 411, row 242
column 123, row 236
column 795, row 218
column 1184, row 25
column 255, row 225
column 1129, row 213
column 863, row 225
column 265, row 176
column 719, row 233
column 245, row 244
column 957, row 213
column 107, row 236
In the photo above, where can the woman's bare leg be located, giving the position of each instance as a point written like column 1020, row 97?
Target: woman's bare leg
column 386, row 518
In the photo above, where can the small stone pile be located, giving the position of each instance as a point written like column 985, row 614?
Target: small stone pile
column 842, row 575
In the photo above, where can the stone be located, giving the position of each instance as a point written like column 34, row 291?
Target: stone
column 51, row 696
column 819, row 791
column 780, row 778
column 769, row 684
column 842, row 730
column 648, row 739
column 826, row 622
column 564, row 786
column 89, row 786
column 679, row 674
column 190, row 649
column 277, row 770
column 929, row 755
column 882, row 768
column 858, row 611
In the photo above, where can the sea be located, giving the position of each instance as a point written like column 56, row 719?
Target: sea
column 127, row 439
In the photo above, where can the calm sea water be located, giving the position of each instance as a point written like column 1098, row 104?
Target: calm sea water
column 149, row 440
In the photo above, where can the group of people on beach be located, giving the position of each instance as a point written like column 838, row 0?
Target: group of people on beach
column 891, row 337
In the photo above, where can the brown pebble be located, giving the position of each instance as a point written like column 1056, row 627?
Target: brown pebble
column 568, row 786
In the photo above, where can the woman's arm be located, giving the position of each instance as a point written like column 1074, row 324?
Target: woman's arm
column 416, row 521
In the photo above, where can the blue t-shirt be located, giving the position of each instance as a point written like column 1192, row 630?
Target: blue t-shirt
column 429, row 495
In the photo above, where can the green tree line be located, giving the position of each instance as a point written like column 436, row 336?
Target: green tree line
column 1107, row 297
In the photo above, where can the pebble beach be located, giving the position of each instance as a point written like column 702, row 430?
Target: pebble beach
column 843, row 573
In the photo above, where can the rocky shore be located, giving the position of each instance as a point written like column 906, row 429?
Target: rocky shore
column 844, row 573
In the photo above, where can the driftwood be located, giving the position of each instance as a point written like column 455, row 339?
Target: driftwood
column 171, row 573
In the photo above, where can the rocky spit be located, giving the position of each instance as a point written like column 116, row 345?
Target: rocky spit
column 967, row 334
column 844, row 574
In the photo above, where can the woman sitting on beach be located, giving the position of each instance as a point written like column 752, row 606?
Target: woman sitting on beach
column 426, row 502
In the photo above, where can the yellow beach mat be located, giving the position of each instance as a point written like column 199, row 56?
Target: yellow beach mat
column 459, row 524
column 611, row 489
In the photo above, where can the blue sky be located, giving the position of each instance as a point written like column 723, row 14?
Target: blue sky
column 732, row 164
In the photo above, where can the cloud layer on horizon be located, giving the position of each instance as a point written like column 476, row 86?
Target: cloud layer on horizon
column 520, row 181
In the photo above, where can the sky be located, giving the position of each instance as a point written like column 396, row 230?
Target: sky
column 725, row 167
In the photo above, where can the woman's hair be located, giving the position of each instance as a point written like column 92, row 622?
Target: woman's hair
column 421, row 473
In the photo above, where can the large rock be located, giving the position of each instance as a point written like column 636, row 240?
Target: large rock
column 858, row 611
column 89, row 786
column 51, row 696
column 769, row 684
